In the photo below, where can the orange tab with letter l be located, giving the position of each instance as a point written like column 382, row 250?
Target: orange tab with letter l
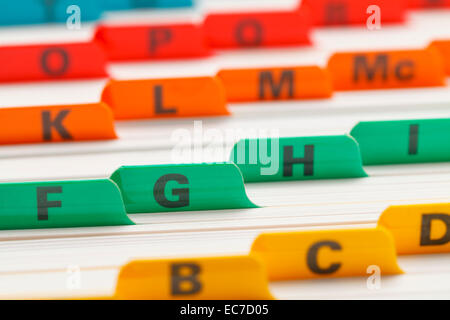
column 419, row 228
column 387, row 69
column 319, row 254
column 229, row 278
column 276, row 83
column 56, row 123
column 443, row 46
column 166, row 98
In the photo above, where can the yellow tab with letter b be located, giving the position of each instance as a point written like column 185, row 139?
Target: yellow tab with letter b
column 419, row 228
column 319, row 254
column 229, row 278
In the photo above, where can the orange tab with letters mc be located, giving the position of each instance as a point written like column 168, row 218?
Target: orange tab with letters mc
column 443, row 46
column 387, row 69
column 419, row 228
column 333, row 253
column 230, row 278
column 166, row 98
column 56, row 123
column 307, row 82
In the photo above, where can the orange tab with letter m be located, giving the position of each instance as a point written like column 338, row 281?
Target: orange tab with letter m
column 166, row 98
column 387, row 69
column 319, row 254
column 276, row 83
column 443, row 46
column 229, row 278
column 56, row 123
column 419, row 228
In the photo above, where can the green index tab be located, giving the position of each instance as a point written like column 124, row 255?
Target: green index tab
column 300, row 158
column 84, row 203
column 181, row 187
column 403, row 141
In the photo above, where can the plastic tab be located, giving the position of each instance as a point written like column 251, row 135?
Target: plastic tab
column 276, row 83
column 419, row 229
column 152, row 42
column 56, row 124
column 429, row 4
column 52, row 62
column 403, row 141
column 229, row 278
column 301, row 158
column 166, row 98
column 88, row 203
column 257, row 29
column 134, row 4
column 42, row 11
column 387, row 69
column 163, row 188
column 443, row 46
column 325, row 254
column 344, row 12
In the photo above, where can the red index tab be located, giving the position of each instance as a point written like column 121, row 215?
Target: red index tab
column 257, row 29
column 429, row 3
column 152, row 42
column 52, row 62
column 56, row 123
column 342, row 12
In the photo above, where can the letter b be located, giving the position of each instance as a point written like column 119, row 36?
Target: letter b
column 177, row 279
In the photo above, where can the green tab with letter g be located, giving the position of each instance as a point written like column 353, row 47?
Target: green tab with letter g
column 181, row 187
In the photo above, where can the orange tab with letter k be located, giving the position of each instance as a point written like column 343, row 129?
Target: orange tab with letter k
column 56, row 123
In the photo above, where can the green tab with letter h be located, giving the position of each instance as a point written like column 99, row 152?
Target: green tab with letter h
column 299, row 158
column 184, row 187
column 84, row 203
column 403, row 141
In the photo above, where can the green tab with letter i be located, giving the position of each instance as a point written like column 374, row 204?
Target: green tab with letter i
column 181, row 187
column 403, row 141
column 81, row 203
column 298, row 158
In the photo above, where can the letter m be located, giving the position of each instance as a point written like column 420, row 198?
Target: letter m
column 266, row 79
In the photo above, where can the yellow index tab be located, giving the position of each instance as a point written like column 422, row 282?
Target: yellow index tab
column 419, row 228
column 229, row 278
column 320, row 254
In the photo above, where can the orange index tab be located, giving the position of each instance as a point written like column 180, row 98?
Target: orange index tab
column 229, row 278
column 56, row 123
column 166, row 98
column 419, row 228
column 322, row 254
column 443, row 46
column 387, row 69
column 307, row 82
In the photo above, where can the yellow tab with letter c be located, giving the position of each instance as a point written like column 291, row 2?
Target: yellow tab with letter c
column 321, row 254
column 228, row 278
column 419, row 228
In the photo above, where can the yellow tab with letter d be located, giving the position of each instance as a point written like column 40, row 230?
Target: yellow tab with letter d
column 419, row 228
column 319, row 254
column 228, row 278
